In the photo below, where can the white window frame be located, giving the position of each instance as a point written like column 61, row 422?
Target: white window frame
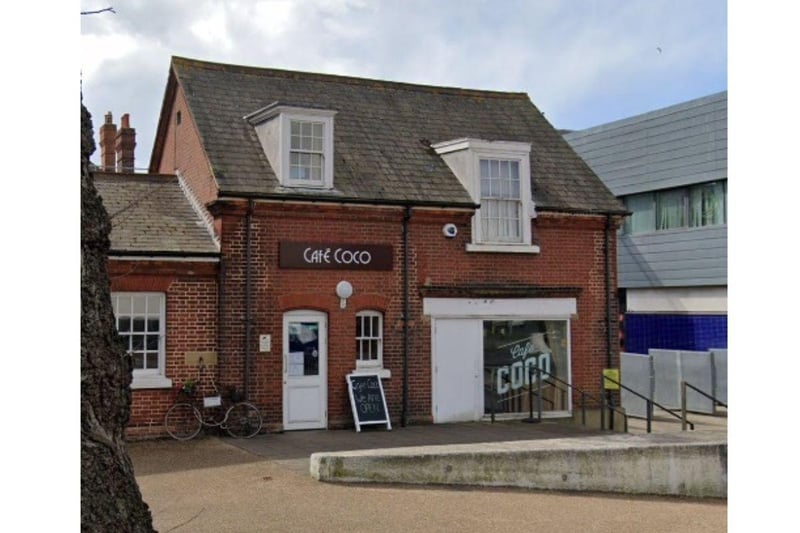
column 148, row 378
column 464, row 156
column 273, row 126
column 370, row 365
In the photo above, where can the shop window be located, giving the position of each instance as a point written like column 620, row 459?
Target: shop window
column 139, row 320
column 369, row 340
column 520, row 357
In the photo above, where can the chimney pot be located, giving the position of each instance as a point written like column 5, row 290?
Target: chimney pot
column 108, row 134
column 125, row 145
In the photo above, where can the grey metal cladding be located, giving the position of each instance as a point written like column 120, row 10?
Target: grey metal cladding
column 676, row 258
column 675, row 146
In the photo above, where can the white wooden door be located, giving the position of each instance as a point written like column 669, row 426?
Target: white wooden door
column 457, row 370
column 305, row 370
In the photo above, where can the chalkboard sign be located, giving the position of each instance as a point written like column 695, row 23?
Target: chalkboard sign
column 367, row 400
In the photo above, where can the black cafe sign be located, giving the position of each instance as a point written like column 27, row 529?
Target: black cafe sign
column 334, row 256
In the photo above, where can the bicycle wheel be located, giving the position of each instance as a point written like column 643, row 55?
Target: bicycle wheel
column 182, row 421
column 243, row 420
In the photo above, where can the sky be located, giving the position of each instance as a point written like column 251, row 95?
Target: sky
column 582, row 62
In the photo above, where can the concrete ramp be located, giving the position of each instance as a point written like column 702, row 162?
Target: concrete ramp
column 665, row 464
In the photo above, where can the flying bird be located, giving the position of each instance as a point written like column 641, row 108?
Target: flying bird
column 659, row 49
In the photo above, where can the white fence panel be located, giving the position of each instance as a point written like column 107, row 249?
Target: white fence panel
column 637, row 373
column 667, row 372
column 697, row 369
column 720, row 361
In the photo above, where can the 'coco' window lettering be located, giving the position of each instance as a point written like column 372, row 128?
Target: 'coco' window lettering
column 520, row 358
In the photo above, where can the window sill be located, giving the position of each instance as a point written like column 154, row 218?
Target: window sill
column 383, row 373
column 504, row 248
column 151, row 382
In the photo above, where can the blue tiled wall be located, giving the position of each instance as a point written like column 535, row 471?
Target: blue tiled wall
column 675, row 332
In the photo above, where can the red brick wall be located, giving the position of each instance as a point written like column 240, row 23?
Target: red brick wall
column 183, row 150
column 571, row 256
column 191, row 326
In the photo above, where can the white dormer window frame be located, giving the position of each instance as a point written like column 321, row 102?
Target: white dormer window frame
column 298, row 143
column 497, row 176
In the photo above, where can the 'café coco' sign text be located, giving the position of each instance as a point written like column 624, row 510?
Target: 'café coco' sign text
column 335, row 256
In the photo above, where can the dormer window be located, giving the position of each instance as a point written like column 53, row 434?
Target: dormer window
column 501, row 204
column 497, row 176
column 306, row 153
column 298, row 143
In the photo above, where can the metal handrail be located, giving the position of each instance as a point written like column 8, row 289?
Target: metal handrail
column 530, row 392
column 584, row 396
column 650, row 404
column 685, row 384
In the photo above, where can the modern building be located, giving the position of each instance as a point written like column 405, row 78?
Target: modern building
column 448, row 240
column 670, row 168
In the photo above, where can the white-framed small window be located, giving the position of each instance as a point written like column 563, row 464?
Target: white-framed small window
column 298, row 143
column 140, row 322
column 306, row 151
column 369, row 340
column 501, row 204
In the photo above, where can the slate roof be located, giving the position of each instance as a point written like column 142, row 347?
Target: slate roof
column 382, row 133
column 151, row 215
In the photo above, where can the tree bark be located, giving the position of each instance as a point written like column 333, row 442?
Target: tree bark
column 110, row 497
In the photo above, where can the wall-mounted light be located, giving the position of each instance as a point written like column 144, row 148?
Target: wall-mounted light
column 344, row 291
column 450, row 230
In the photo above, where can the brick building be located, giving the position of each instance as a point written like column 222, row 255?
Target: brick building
column 447, row 239
column 163, row 267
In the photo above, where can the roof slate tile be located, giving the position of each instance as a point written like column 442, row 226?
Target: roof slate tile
column 381, row 135
column 150, row 214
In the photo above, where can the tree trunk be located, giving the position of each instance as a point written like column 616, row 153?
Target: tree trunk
column 110, row 497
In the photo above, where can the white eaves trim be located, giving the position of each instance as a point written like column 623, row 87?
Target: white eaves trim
column 177, row 259
column 200, row 209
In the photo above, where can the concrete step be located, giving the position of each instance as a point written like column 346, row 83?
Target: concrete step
column 689, row 464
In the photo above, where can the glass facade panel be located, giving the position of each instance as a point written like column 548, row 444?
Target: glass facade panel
column 685, row 207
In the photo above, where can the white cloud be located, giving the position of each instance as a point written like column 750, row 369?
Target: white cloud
column 582, row 61
column 212, row 29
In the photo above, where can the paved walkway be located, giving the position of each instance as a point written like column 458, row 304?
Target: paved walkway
column 262, row 484
column 301, row 444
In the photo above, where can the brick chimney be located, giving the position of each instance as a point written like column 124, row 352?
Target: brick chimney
column 108, row 134
column 125, row 144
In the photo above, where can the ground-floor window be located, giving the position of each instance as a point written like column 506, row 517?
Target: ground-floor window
column 512, row 351
column 140, row 323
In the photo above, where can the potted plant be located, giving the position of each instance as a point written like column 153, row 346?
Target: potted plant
column 188, row 387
